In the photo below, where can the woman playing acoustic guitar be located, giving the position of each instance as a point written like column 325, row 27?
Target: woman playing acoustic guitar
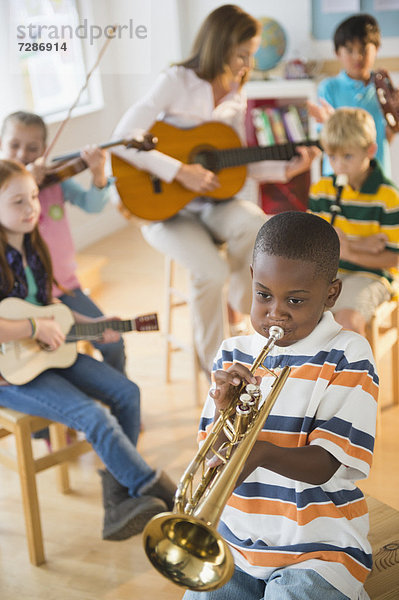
column 208, row 87
column 133, row 492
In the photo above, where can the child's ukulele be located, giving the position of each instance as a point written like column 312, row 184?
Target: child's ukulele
column 22, row 360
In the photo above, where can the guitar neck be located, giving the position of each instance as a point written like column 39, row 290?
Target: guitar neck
column 71, row 155
column 235, row 157
column 93, row 331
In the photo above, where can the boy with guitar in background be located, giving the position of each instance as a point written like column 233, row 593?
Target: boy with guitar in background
column 208, row 86
column 356, row 43
column 132, row 491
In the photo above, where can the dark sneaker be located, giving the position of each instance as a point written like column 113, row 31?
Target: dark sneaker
column 161, row 487
column 129, row 518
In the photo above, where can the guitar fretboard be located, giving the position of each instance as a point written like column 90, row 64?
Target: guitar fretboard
column 93, row 331
column 234, row 157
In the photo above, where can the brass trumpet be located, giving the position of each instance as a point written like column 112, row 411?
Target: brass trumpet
column 184, row 545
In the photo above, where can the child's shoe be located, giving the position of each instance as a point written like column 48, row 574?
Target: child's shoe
column 161, row 487
column 125, row 516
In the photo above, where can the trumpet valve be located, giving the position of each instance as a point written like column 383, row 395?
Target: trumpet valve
column 243, row 410
column 253, row 390
column 247, row 400
column 243, row 413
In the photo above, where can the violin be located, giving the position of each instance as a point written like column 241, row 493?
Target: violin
column 69, row 165
column 388, row 98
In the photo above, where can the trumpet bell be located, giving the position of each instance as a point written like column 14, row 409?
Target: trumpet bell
column 188, row 551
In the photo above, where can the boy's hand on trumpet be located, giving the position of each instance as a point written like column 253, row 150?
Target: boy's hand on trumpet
column 227, row 382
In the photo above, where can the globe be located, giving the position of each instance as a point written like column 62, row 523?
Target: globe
column 272, row 46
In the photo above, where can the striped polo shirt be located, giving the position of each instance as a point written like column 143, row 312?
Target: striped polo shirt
column 329, row 399
column 372, row 209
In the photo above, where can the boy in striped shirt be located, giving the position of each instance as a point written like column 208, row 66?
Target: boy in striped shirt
column 296, row 522
column 368, row 219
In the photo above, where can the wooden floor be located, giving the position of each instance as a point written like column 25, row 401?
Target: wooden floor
column 80, row 565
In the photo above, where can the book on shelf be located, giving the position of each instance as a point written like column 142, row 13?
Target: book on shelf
column 263, row 129
column 293, row 124
column 287, row 121
column 277, row 125
column 304, row 117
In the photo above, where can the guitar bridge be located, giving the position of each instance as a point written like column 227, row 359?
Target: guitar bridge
column 156, row 185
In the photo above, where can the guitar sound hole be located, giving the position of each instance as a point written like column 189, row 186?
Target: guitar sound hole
column 207, row 159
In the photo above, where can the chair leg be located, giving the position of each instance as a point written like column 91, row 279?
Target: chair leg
column 226, row 324
column 197, row 371
column 27, row 475
column 373, row 340
column 395, row 358
column 168, row 316
column 58, row 441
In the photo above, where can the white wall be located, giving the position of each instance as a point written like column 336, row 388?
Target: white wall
column 124, row 79
column 294, row 15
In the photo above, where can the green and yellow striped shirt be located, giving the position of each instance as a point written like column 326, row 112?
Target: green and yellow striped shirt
column 372, row 209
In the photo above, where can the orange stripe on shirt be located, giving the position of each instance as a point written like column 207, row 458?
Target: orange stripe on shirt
column 326, row 371
column 355, row 378
column 203, row 434
column 278, row 438
column 259, row 506
column 281, row 559
column 354, row 451
column 313, row 372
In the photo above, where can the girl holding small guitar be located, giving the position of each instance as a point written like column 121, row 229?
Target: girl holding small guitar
column 133, row 492
column 208, row 86
column 23, row 138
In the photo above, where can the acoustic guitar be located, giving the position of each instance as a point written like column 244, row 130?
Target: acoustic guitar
column 22, row 360
column 214, row 145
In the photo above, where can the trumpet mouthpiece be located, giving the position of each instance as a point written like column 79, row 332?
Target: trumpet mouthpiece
column 341, row 180
column 276, row 332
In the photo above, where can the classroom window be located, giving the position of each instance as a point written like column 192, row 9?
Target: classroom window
column 52, row 60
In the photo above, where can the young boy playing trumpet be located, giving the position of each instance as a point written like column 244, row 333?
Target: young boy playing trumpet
column 296, row 522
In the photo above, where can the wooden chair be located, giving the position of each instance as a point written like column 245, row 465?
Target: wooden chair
column 24, row 463
column 22, row 426
column 383, row 582
column 176, row 298
column 383, row 336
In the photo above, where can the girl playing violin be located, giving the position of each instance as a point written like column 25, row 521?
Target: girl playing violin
column 133, row 492
column 23, row 138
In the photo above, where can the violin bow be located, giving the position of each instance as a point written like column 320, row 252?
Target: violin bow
column 111, row 29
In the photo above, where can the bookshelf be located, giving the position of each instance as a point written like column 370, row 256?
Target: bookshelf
column 280, row 95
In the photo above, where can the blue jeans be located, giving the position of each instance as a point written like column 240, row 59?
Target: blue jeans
column 67, row 396
column 283, row 584
column 113, row 354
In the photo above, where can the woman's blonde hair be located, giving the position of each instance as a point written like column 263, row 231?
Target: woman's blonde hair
column 223, row 29
column 8, row 170
column 348, row 128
